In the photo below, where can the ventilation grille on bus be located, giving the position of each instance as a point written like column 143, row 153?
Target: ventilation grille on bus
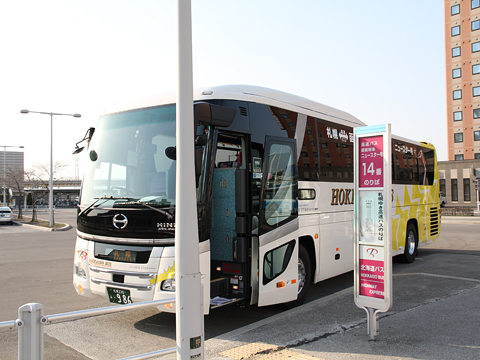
column 434, row 221
column 243, row 111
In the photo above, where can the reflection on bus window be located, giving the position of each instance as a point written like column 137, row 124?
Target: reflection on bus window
column 279, row 192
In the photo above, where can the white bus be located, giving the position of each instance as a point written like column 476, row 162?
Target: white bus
column 274, row 176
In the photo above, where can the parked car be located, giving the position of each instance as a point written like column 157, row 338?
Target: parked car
column 443, row 200
column 6, row 215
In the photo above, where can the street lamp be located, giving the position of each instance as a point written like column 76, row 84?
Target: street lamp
column 50, row 197
column 4, row 170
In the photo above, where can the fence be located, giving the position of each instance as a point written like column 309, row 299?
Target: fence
column 31, row 321
column 458, row 211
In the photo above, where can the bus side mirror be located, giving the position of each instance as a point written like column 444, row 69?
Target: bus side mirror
column 88, row 136
column 214, row 115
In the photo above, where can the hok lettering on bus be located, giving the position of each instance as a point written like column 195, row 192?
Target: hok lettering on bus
column 342, row 196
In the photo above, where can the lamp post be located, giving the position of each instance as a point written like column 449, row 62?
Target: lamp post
column 50, row 197
column 4, row 170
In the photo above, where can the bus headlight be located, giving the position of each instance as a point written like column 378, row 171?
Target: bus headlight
column 80, row 272
column 168, row 285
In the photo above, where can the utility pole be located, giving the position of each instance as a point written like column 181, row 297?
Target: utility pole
column 189, row 304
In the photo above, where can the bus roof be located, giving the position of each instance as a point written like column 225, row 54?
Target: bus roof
column 250, row 93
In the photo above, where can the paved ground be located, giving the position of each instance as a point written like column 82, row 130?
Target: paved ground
column 435, row 315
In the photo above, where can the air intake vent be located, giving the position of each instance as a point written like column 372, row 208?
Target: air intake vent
column 434, row 221
column 243, row 111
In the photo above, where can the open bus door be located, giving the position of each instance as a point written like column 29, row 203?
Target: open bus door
column 278, row 230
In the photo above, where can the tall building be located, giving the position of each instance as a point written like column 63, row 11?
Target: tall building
column 462, row 58
column 11, row 161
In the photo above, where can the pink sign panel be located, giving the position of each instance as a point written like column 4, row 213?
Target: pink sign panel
column 371, row 162
column 372, row 278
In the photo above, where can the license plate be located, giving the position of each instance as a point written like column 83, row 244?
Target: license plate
column 119, row 296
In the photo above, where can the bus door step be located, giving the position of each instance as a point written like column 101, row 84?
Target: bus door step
column 218, row 301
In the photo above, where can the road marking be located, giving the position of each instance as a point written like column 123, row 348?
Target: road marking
column 440, row 276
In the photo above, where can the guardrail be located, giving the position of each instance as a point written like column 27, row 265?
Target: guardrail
column 458, row 211
column 31, row 321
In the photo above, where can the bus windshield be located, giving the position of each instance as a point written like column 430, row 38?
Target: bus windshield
column 127, row 159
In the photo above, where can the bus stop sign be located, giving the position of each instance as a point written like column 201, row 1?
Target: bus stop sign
column 373, row 239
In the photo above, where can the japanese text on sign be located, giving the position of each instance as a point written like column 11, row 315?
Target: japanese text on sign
column 372, row 216
column 371, row 162
column 372, row 272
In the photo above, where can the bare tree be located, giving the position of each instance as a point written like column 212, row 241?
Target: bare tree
column 17, row 184
column 37, row 190
column 39, row 178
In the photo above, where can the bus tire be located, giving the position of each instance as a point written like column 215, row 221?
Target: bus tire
column 411, row 243
column 304, row 278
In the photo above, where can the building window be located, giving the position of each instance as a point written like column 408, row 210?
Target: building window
column 476, row 135
column 454, row 190
column 459, row 157
column 457, row 94
column 475, row 25
column 466, row 189
column 476, row 113
column 456, row 30
column 458, row 116
column 475, row 4
column 456, row 51
column 442, row 186
column 458, row 137
column 456, row 73
column 475, row 46
column 477, row 155
column 456, row 9
column 476, row 91
column 476, row 69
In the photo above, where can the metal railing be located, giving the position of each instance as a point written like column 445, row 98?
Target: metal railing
column 31, row 321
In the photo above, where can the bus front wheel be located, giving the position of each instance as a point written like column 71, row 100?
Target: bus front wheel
column 304, row 278
column 411, row 243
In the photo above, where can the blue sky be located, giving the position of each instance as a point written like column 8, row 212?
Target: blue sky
column 381, row 61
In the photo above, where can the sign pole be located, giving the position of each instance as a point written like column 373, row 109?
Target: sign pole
column 189, row 304
column 373, row 236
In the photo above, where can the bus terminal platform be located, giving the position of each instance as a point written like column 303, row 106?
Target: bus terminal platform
column 435, row 315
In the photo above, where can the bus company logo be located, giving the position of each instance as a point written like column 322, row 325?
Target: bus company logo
column 342, row 197
column 120, row 221
column 372, row 252
column 82, row 254
column 165, row 226
column 100, row 262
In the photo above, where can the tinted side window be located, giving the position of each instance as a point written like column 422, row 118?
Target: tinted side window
column 275, row 261
column 265, row 122
column 308, row 159
column 335, row 151
column 405, row 163
column 430, row 166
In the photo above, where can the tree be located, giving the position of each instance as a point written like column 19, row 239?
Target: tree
column 37, row 190
column 39, row 179
column 16, row 181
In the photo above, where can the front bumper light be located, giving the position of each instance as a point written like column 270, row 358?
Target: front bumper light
column 168, row 285
column 80, row 272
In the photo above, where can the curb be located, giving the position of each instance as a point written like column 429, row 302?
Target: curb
column 66, row 227
column 460, row 220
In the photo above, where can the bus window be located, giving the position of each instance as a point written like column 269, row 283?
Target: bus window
column 279, row 197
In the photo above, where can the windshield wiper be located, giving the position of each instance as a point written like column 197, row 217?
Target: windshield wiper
column 104, row 197
column 170, row 216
